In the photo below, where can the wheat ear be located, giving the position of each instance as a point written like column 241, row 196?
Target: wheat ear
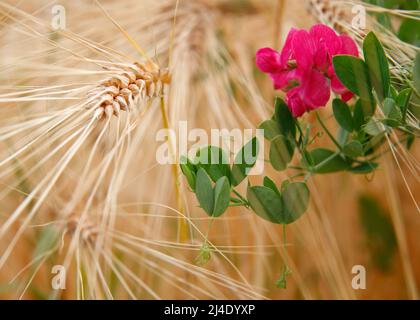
column 128, row 85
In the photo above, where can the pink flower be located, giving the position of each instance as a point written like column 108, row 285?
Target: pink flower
column 304, row 67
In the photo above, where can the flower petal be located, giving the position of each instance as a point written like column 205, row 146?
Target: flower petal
column 325, row 36
column 268, row 60
column 304, row 49
column 285, row 79
column 339, row 88
column 315, row 90
column 287, row 51
column 322, row 59
column 348, row 46
column 347, row 96
column 295, row 103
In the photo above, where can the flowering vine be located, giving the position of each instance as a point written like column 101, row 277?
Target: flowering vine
column 310, row 65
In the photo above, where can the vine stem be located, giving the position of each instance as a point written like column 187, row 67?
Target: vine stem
column 284, row 247
column 182, row 222
column 208, row 230
column 245, row 201
column 282, row 282
column 328, row 132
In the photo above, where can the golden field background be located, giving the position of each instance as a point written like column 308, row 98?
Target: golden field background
column 137, row 248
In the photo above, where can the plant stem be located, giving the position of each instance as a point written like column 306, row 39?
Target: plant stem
column 328, row 132
column 282, row 281
column 245, row 201
column 208, row 230
column 323, row 162
column 182, row 223
column 284, row 246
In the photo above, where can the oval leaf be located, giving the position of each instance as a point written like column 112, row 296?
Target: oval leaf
column 353, row 149
column 354, row 74
column 364, row 168
column 281, row 152
column 391, row 110
column 295, row 199
column 327, row 161
column 284, row 118
column 267, row 182
column 221, row 196
column 359, row 117
column 410, row 31
column 266, row 203
column 343, row 115
column 214, row 161
column 402, row 101
column 271, row 129
column 374, row 128
column 244, row 161
column 204, row 191
column 377, row 64
column 189, row 171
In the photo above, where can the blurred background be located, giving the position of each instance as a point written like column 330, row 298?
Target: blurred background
column 91, row 197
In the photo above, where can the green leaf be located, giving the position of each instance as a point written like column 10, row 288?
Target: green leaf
column 221, row 196
column 358, row 116
column 189, row 171
column 214, row 161
column 244, row 161
column 267, row 182
column 374, row 142
column 266, row 203
column 284, row 184
column 353, row 149
column 327, row 161
column 282, row 281
column 284, row 118
column 416, row 73
column 410, row 4
column 354, row 74
column 391, row 110
column 403, row 100
column 295, row 200
column 204, row 255
column 204, row 192
column 415, row 98
column 343, row 115
column 393, row 92
column 410, row 31
column 390, row 4
column 379, row 232
column 364, row 168
column 377, row 64
column 271, row 129
column 189, row 175
column 374, row 128
column 281, row 152
column 342, row 136
column 410, row 140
